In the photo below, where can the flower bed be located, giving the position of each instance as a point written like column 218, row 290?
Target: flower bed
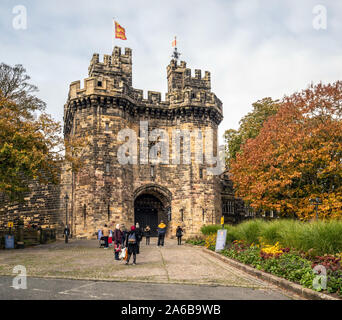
column 312, row 263
column 290, row 264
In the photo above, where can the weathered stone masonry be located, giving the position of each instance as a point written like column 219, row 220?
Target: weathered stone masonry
column 105, row 191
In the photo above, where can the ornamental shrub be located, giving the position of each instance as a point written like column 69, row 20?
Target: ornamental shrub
column 317, row 237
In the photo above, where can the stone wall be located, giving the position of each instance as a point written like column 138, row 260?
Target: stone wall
column 41, row 207
column 104, row 191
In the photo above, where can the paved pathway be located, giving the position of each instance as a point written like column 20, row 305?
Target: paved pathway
column 172, row 272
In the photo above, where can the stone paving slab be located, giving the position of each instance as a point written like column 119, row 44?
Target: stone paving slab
column 83, row 259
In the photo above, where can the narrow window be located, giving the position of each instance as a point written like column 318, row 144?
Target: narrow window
column 152, row 172
column 108, row 211
column 107, row 167
column 182, row 214
column 99, row 83
column 107, row 126
column 201, row 173
column 169, row 215
column 202, row 214
column 84, row 215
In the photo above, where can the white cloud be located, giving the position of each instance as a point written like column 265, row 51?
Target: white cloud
column 253, row 48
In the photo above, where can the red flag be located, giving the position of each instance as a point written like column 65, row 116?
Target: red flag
column 120, row 32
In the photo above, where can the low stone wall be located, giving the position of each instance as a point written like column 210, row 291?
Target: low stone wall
column 40, row 208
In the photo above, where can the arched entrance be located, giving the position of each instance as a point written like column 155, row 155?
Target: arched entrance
column 152, row 204
column 146, row 210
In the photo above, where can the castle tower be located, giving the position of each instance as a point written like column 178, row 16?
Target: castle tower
column 105, row 110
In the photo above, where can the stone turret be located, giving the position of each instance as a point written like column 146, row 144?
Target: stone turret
column 117, row 66
column 179, row 78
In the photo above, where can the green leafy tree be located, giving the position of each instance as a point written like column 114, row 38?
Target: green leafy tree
column 250, row 126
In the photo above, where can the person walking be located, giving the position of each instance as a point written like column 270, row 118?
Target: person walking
column 139, row 236
column 124, row 234
column 161, row 233
column 131, row 241
column 179, row 234
column 117, row 237
column 147, row 234
column 105, row 232
column 99, row 236
column 110, row 238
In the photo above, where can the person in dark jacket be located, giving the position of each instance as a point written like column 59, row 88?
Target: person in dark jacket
column 105, row 232
column 147, row 234
column 179, row 234
column 117, row 237
column 124, row 234
column 139, row 236
column 161, row 233
column 131, row 242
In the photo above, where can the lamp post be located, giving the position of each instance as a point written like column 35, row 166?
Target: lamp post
column 66, row 230
column 317, row 201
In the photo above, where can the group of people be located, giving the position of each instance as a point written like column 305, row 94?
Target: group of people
column 121, row 238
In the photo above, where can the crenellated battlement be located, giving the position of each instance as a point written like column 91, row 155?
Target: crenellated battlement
column 117, row 65
column 180, row 78
column 111, row 88
column 110, row 79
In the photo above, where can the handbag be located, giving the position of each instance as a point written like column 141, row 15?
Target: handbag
column 117, row 247
column 123, row 254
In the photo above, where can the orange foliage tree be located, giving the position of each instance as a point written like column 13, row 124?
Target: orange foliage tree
column 31, row 144
column 296, row 156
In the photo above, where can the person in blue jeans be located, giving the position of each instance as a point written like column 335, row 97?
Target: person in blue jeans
column 99, row 236
column 161, row 233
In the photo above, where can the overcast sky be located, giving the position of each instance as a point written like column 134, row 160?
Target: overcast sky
column 253, row 48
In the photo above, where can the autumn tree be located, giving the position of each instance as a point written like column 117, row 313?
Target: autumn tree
column 296, row 156
column 31, row 145
column 15, row 87
column 250, row 126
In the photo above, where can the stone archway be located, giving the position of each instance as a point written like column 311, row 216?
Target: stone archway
column 152, row 204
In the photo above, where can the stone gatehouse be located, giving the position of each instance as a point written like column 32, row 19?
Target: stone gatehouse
column 107, row 191
column 182, row 192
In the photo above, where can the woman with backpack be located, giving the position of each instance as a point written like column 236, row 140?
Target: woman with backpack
column 132, row 245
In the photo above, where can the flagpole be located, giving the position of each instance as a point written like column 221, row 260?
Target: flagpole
column 113, row 32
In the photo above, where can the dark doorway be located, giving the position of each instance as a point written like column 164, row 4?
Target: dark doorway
column 147, row 209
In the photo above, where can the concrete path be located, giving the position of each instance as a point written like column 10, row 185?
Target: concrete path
column 170, row 272
column 62, row 289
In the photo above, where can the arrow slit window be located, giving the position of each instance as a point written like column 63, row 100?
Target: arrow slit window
column 84, row 215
